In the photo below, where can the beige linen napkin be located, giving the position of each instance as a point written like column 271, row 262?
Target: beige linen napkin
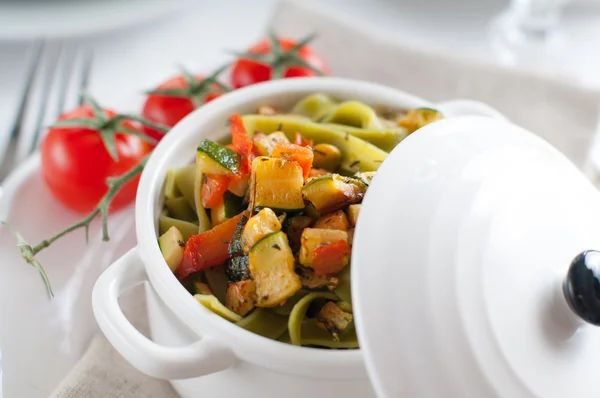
column 563, row 114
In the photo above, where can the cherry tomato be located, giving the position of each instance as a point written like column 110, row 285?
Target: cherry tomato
column 248, row 71
column 168, row 110
column 76, row 164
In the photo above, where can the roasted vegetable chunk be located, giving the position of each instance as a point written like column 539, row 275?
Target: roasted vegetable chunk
column 334, row 319
column 333, row 192
column 241, row 296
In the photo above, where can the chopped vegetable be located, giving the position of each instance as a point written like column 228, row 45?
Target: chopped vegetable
column 299, row 154
column 213, row 158
column 209, row 248
column 353, row 211
column 334, row 319
column 327, row 157
column 329, row 259
column 229, row 207
column 236, row 269
column 351, row 236
column 241, row 143
column 239, row 186
column 265, row 143
column 171, row 246
column 276, row 183
column 235, row 245
column 301, row 141
column 352, row 148
column 241, row 296
column 333, row 192
column 365, row 177
column 272, row 268
column 294, row 230
column 336, row 220
column 213, row 188
column 258, row 226
column 311, row 280
column 417, row 118
column 313, row 238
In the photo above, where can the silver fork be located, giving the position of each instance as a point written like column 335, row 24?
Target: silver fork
column 57, row 75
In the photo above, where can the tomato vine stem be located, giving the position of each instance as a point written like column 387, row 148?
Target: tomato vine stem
column 107, row 128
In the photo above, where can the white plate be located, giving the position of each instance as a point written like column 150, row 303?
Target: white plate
column 42, row 339
column 27, row 19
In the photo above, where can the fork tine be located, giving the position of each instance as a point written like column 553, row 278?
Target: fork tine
column 9, row 146
column 47, row 101
column 37, row 100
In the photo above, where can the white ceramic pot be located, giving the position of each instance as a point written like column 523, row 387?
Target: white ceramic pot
column 201, row 353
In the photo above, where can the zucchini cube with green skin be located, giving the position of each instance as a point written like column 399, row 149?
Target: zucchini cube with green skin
column 258, row 226
column 315, row 237
column 266, row 143
column 333, row 192
column 213, row 158
column 276, row 183
column 171, row 245
column 271, row 265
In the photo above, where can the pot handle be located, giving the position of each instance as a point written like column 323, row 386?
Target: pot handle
column 197, row 359
column 466, row 107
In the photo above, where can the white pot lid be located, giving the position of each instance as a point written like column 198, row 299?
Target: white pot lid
column 466, row 235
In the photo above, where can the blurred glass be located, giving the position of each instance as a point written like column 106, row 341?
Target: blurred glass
column 529, row 34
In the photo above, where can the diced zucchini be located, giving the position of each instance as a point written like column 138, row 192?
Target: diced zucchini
column 313, row 238
column 294, row 230
column 258, row 226
column 327, row 156
column 272, row 268
column 236, row 269
column 336, row 220
column 213, row 158
column 311, row 280
column 265, row 143
column 353, row 211
column 180, row 209
column 171, row 246
column 202, row 288
column 235, row 246
column 333, row 192
column 334, row 319
column 230, row 207
column 241, row 296
column 276, row 183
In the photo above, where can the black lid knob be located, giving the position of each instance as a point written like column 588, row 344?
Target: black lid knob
column 582, row 286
